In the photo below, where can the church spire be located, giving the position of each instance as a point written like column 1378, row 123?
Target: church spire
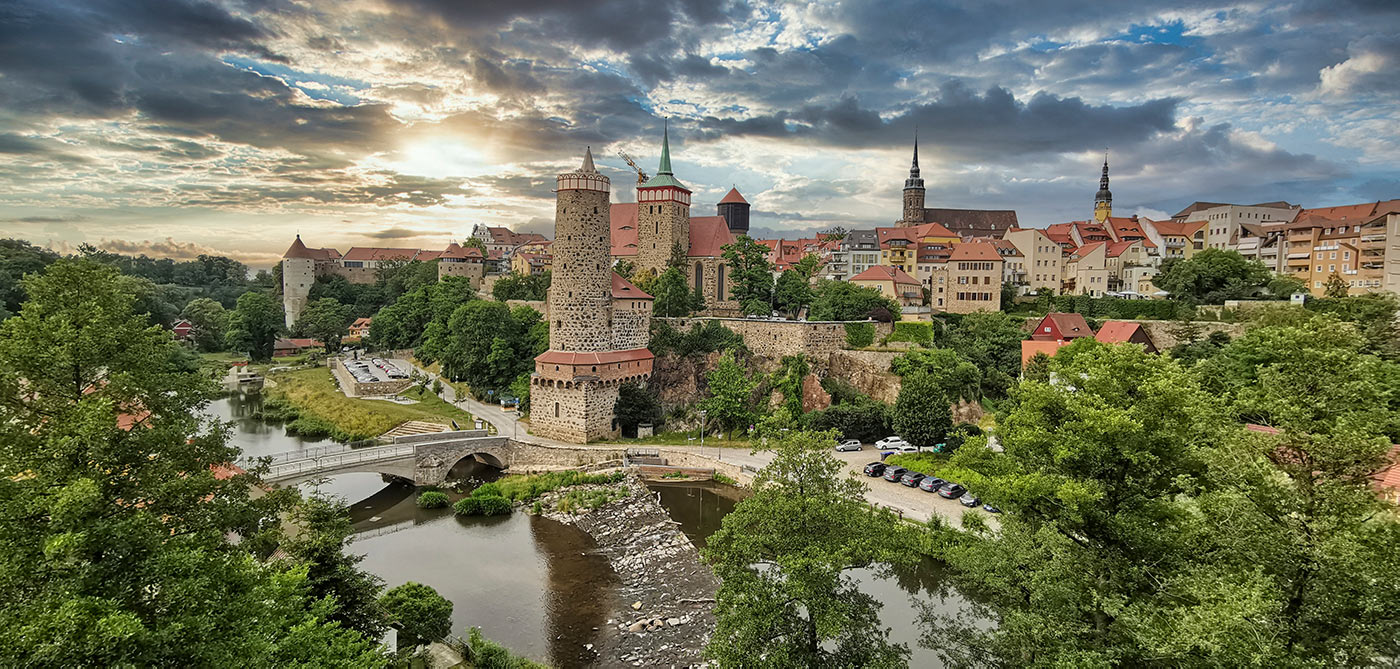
column 665, row 166
column 914, row 181
column 588, row 160
column 1103, row 200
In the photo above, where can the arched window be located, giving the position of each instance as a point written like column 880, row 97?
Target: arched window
column 699, row 276
column 719, row 285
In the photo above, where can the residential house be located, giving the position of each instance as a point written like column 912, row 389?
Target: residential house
column 530, row 263
column 1125, row 332
column 894, row 283
column 1041, row 259
column 1178, row 239
column 1348, row 241
column 1057, row 326
column 1085, row 271
column 863, row 246
column 1223, row 220
column 360, row 328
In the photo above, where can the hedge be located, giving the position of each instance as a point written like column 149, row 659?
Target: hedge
column 860, row 335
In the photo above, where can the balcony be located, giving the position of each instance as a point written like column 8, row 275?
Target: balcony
column 1299, row 256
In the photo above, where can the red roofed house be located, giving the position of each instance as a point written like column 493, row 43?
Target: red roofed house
column 1061, row 327
column 1030, row 347
column 894, row 283
column 285, row 346
column 360, row 328
column 1125, row 332
column 182, row 329
column 645, row 232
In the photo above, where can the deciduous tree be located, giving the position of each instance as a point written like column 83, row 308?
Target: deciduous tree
column 326, row 320
column 922, row 415
column 254, row 325
column 730, row 390
column 210, row 322
column 421, row 615
column 750, row 275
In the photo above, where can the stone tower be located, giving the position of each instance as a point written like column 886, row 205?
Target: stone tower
column 913, row 193
column 735, row 210
column 298, row 273
column 1103, row 200
column 663, row 214
column 576, row 381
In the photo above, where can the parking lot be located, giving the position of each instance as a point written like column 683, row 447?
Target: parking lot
column 372, row 370
column 911, row 502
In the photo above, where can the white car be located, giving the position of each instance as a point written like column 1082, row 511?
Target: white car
column 849, row 445
column 906, row 447
column 889, row 443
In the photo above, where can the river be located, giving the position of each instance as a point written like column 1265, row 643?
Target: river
column 538, row 586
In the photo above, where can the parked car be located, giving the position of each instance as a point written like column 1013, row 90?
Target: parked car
column 875, row 469
column 889, row 442
column 990, row 509
column 894, row 473
column 907, row 447
column 911, row 479
column 951, row 491
column 849, row 445
column 969, row 501
column 931, row 484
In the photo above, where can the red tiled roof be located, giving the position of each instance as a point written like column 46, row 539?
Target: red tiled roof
column 598, row 358
column 623, row 224
column 981, row 251
column 973, row 221
column 380, row 253
column 886, row 235
column 1349, row 213
column 426, row 256
column 286, row 343
column 1177, row 228
column 1004, row 247
column 707, row 235
column 299, row 250
column 1069, row 325
column 733, row 197
column 453, row 250
column 933, row 230
column 1086, row 249
column 1117, row 332
column 623, row 289
column 1030, row 347
column 508, row 237
column 362, row 322
column 1117, row 248
column 886, row 273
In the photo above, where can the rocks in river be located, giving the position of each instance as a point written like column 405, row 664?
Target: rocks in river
column 661, row 573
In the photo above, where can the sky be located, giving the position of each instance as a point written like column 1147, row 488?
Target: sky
column 180, row 127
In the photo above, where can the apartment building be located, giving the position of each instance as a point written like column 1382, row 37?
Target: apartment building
column 1085, row 270
column 1223, row 220
column 1350, row 241
column 1042, row 256
column 863, row 247
column 1178, row 239
column 968, row 279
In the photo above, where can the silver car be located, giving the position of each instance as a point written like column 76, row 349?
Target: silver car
column 849, row 445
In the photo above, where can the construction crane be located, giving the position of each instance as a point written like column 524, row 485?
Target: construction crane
column 641, row 176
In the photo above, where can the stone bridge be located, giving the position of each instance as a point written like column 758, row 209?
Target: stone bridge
column 426, row 459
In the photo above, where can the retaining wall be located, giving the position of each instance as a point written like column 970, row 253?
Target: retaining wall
column 777, row 338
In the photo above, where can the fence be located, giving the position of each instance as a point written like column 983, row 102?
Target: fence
column 333, row 460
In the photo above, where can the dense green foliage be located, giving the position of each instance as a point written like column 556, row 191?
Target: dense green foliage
column 922, row 415
column 728, row 401
column 210, row 322
column 325, row 320
column 864, row 419
column 487, row 344
column 18, row 258
column 952, row 373
column 846, row 301
column 419, row 316
column 1144, row 526
column 483, row 653
column 992, row 342
column 636, row 405
column 114, row 549
column 1211, row 276
column 482, row 505
column 332, row 573
column 860, row 335
column 432, row 499
column 750, row 275
column 421, row 615
column 782, row 555
column 702, row 338
column 917, row 332
column 792, row 293
column 254, row 324
column 1112, row 307
column 527, row 488
column 673, row 295
column 513, row 286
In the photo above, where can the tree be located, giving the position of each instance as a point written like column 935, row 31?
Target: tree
column 528, row 287
column 421, row 615
column 475, row 243
column 673, row 296
column 114, row 549
column 864, row 419
column 922, row 415
column 636, row 405
column 729, row 391
column 808, row 266
column 846, row 301
column 1335, row 287
column 955, row 376
column 18, row 258
column 254, row 325
column 792, row 292
column 624, row 268
column 331, row 571
column 1284, row 286
column 782, row 556
column 835, row 232
column 678, row 259
column 1212, row 276
column 210, row 322
column 1037, row 368
column 750, row 275
column 326, row 320
column 992, row 342
column 488, row 345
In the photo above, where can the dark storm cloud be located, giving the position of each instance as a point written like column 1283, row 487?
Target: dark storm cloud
column 993, row 125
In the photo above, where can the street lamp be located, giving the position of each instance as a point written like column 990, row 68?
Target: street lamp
column 702, row 432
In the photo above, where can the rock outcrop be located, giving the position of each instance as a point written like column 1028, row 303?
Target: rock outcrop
column 868, row 371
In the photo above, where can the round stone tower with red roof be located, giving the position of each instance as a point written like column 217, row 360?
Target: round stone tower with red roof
column 595, row 317
column 298, row 274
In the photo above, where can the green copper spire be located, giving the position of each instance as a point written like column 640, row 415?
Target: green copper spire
column 664, row 176
column 665, row 167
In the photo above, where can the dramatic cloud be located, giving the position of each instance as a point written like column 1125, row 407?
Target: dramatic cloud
column 231, row 124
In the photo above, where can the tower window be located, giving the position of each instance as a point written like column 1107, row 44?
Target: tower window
column 556, row 409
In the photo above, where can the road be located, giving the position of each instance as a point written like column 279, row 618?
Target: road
column 910, row 503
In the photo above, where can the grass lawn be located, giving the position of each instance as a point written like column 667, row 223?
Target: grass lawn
column 313, row 393
column 690, row 438
column 462, row 389
column 925, row 463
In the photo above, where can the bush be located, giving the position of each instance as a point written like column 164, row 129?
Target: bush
column 719, row 477
column 420, row 613
column 484, row 653
column 860, row 335
column 924, row 463
column 704, row 337
column 526, row 488
column 912, row 331
column 866, row 420
column 432, row 499
column 487, row 490
column 485, row 505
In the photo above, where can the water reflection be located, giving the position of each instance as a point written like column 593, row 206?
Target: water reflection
column 255, row 437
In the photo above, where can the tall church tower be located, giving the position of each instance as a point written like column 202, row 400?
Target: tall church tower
column 663, row 214
column 913, row 193
column 1103, row 201
column 576, row 381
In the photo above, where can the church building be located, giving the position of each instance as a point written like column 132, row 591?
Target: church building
column 599, row 323
column 966, row 223
column 658, row 227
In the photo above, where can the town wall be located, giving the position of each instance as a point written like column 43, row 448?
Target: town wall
column 776, row 338
column 631, row 324
column 473, row 270
column 577, row 411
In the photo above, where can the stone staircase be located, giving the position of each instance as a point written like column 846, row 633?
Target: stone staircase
column 415, row 427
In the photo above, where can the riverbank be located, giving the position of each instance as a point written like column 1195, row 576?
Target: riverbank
column 318, row 409
column 663, row 613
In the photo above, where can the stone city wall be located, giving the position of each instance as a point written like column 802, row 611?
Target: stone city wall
column 777, row 338
column 578, row 411
column 631, row 324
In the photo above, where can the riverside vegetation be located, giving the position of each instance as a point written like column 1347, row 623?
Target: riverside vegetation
column 311, row 406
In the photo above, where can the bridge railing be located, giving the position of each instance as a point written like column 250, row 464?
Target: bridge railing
column 336, row 460
column 303, row 454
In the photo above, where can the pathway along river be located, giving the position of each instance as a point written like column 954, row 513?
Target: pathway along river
column 538, row 586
